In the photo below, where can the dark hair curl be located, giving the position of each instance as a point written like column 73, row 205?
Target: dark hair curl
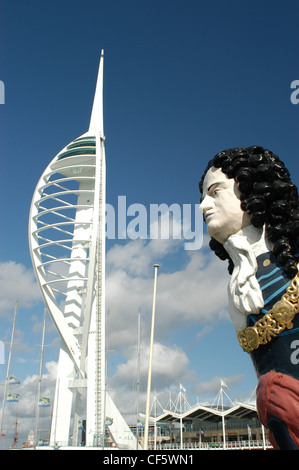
column 268, row 195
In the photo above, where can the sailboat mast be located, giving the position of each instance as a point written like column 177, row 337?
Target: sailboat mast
column 39, row 381
column 15, row 440
column 8, row 366
column 138, row 377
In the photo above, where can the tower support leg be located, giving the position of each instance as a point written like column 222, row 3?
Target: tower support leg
column 63, row 400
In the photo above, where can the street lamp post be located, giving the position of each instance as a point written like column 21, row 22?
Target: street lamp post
column 149, row 379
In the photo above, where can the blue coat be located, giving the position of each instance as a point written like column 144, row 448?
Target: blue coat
column 281, row 354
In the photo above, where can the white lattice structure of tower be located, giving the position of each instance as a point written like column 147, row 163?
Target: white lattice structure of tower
column 67, row 245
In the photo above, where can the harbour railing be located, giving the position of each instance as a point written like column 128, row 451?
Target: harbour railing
column 230, row 445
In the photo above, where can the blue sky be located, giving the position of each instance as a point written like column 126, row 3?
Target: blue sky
column 182, row 81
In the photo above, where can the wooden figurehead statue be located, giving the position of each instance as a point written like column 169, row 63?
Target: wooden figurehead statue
column 251, row 208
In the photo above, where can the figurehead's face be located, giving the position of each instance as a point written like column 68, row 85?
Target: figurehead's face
column 221, row 205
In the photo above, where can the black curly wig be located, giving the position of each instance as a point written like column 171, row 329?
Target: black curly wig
column 268, row 195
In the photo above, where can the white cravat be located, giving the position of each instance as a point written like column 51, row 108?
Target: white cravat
column 244, row 293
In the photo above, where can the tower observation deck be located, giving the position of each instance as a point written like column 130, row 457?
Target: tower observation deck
column 67, row 246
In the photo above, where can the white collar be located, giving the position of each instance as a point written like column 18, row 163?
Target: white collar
column 244, row 293
column 257, row 238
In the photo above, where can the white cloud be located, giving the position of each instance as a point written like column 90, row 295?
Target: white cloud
column 196, row 293
column 137, row 257
column 204, row 331
column 25, row 408
column 17, row 283
column 169, row 365
column 193, row 294
column 213, row 386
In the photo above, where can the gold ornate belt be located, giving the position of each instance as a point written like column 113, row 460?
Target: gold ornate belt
column 274, row 322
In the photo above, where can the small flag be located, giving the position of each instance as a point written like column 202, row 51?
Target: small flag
column 13, row 397
column 44, row 402
column 108, row 421
column 43, row 442
column 13, row 380
column 249, row 430
column 140, row 424
column 223, row 384
column 80, row 425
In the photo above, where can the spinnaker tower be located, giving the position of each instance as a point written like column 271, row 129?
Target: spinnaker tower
column 67, row 245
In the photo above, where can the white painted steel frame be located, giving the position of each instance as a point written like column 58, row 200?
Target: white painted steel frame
column 67, row 245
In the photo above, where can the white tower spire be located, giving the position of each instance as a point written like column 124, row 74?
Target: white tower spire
column 96, row 125
column 67, row 244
